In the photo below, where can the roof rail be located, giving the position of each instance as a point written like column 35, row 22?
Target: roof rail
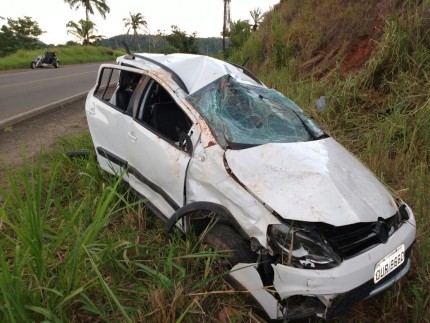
column 175, row 76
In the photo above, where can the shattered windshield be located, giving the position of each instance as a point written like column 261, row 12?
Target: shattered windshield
column 242, row 115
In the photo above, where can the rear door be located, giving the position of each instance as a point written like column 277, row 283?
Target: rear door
column 109, row 116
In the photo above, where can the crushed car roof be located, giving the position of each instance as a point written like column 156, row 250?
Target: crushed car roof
column 194, row 71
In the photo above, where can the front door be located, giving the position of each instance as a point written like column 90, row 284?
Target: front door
column 157, row 160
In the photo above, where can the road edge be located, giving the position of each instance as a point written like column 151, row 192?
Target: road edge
column 40, row 110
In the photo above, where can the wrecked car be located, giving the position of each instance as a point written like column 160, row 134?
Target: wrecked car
column 311, row 231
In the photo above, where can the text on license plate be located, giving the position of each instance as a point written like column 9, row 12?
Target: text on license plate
column 389, row 263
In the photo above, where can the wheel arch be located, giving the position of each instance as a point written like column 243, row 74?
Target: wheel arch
column 204, row 212
column 224, row 217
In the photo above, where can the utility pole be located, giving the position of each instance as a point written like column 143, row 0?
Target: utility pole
column 226, row 24
column 149, row 40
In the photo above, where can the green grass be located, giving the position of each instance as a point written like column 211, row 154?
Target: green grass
column 380, row 111
column 75, row 245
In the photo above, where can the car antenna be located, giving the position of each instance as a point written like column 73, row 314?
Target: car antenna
column 130, row 55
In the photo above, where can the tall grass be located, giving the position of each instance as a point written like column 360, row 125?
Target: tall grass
column 76, row 246
column 381, row 111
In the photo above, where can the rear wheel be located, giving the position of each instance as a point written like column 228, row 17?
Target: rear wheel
column 223, row 237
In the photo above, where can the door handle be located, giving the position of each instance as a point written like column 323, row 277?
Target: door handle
column 92, row 109
column 132, row 136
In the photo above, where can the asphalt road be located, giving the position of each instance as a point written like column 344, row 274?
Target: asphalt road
column 24, row 93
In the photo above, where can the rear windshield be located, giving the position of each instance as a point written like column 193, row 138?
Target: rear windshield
column 242, row 115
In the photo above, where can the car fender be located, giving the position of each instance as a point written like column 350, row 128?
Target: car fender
column 190, row 211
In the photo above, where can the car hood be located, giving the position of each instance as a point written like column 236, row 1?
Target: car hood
column 315, row 181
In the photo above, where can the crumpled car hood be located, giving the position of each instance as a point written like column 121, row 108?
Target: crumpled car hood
column 315, row 181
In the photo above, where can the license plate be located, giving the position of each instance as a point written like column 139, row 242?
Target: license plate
column 389, row 263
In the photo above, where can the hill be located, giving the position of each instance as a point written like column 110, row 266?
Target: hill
column 371, row 61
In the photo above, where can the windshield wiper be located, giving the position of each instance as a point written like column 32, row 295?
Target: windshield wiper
column 321, row 134
column 315, row 135
column 234, row 145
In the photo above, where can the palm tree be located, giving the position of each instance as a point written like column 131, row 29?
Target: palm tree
column 135, row 22
column 257, row 17
column 89, row 6
column 83, row 30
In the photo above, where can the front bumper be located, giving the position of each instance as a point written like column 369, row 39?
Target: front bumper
column 326, row 293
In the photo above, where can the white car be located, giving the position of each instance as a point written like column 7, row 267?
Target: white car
column 312, row 230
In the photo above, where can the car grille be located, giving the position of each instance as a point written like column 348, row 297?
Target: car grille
column 351, row 240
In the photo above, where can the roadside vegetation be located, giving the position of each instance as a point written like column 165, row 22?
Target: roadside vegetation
column 77, row 246
column 371, row 61
column 66, row 55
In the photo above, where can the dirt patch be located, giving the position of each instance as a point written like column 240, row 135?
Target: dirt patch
column 357, row 55
column 29, row 137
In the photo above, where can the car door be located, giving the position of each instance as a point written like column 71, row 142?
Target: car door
column 157, row 158
column 108, row 115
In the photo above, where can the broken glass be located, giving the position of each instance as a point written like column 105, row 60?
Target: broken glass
column 242, row 115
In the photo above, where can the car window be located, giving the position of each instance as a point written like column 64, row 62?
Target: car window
column 242, row 115
column 159, row 112
column 116, row 87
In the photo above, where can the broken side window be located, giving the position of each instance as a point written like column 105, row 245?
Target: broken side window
column 116, row 87
column 242, row 115
column 159, row 112
column 107, row 84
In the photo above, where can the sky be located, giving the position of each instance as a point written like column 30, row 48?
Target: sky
column 205, row 17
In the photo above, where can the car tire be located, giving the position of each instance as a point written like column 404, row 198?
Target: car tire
column 223, row 237
column 33, row 65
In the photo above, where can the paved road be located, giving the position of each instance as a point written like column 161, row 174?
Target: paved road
column 25, row 92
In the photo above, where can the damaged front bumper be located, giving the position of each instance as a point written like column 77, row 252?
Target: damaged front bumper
column 298, row 293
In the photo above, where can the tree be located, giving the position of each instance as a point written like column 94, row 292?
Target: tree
column 135, row 22
column 180, row 42
column 239, row 32
column 83, row 30
column 159, row 39
column 22, row 33
column 257, row 17
column 89, row 6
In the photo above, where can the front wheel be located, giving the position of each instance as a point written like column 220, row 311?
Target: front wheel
column 33, row 65
column 56, row 64
column 223, row 237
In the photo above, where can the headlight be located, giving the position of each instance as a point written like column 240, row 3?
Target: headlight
column 402, row 213
column 298, row 249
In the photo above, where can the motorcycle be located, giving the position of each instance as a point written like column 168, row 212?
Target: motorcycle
column 47, row 59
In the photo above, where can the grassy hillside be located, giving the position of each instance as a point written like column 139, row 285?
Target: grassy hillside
column 76, row 246
column 371, row 60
